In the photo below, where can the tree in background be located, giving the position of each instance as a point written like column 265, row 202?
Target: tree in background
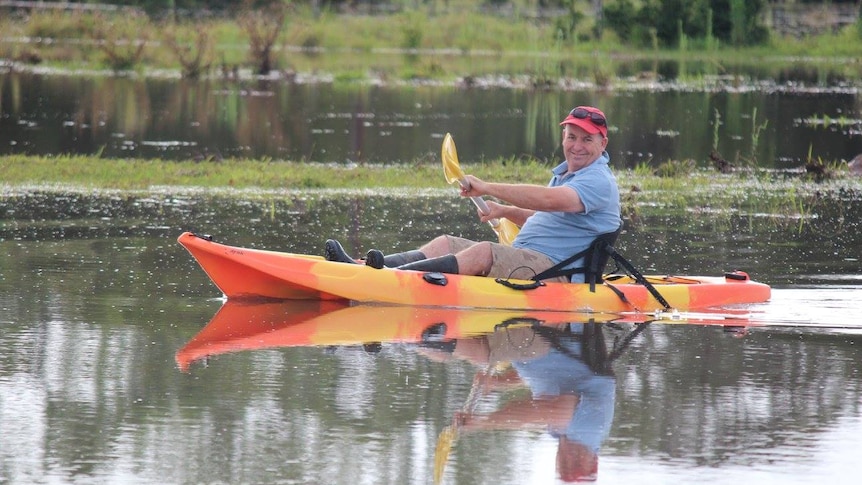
column 565, row 25
column 193, row 49
column 263, row 22
column 669, row 23
column 120, row 39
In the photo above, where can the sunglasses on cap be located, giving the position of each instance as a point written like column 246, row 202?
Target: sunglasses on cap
column 595, row 118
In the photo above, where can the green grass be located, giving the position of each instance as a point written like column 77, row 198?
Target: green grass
column 779, row 199
column 134, row 174
column 450, row 41
column 138, row 174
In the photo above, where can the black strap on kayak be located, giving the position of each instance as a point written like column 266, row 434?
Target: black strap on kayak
column 619, row 293
column 595, row 259
column 519, row 286
column 532, row 285
column 639, row 278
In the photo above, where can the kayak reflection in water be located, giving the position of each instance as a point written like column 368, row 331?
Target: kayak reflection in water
column 567, row 369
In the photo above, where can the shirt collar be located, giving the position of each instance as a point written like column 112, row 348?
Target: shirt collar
column 560, row 169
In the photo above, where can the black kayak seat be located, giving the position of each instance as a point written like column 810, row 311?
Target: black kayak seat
column 595, row 258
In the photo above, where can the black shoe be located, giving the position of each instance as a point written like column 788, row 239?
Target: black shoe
column 374, row 258
column 333, row 251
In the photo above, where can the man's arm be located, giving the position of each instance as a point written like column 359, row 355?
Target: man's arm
column 515, row 214
column 525, row 196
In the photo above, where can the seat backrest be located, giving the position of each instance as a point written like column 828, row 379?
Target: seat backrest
column 597, row 258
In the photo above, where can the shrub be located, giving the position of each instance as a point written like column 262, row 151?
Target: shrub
column 192, row 48
column 121, row 38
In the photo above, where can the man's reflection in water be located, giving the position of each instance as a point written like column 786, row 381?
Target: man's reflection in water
column 572, row 387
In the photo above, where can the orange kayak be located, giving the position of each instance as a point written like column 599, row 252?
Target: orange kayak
column 254, row 274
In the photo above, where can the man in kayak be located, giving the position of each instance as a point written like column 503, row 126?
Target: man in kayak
column 580, row 203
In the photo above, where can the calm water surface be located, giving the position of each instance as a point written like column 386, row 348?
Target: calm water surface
column 119, row 363
column 776, row 123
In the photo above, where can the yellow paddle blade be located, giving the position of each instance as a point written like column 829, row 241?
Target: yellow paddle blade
column 506, row 231
column 444, row 447
column 451, row 166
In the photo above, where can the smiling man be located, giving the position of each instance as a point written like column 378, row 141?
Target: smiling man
column 581, row 202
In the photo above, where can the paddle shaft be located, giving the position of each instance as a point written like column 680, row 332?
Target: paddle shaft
column 480, row 203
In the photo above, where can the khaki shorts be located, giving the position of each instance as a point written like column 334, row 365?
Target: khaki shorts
column 510, row 262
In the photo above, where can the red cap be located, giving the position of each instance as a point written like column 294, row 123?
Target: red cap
column 592, row 120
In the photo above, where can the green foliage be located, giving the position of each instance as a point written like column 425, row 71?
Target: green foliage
column 716, row 124
column 602, row 73
column 642, row 26
column 756, row 130
column 643, row 168
column 412, row 32
column 566, row 25
column 675, row 168
column 57, row 25
column 672, row 23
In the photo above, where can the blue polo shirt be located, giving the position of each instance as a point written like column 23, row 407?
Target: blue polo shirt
column 559, row 235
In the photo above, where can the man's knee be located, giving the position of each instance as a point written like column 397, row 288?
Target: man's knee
column 455, row 244
column 439, row 246
column 485, row 249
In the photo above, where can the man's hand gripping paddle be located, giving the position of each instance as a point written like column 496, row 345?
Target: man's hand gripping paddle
column 506, row 230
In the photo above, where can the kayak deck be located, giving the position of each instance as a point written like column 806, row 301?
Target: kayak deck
column 254, row 274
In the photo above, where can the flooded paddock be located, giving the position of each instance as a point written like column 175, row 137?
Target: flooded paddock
column 120, row 363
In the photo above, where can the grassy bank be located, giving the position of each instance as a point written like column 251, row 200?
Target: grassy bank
column 95, row 173
column 135, row 174
column 445, row 42
column 781, row 199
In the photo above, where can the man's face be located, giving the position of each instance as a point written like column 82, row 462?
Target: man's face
column 581, row 148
